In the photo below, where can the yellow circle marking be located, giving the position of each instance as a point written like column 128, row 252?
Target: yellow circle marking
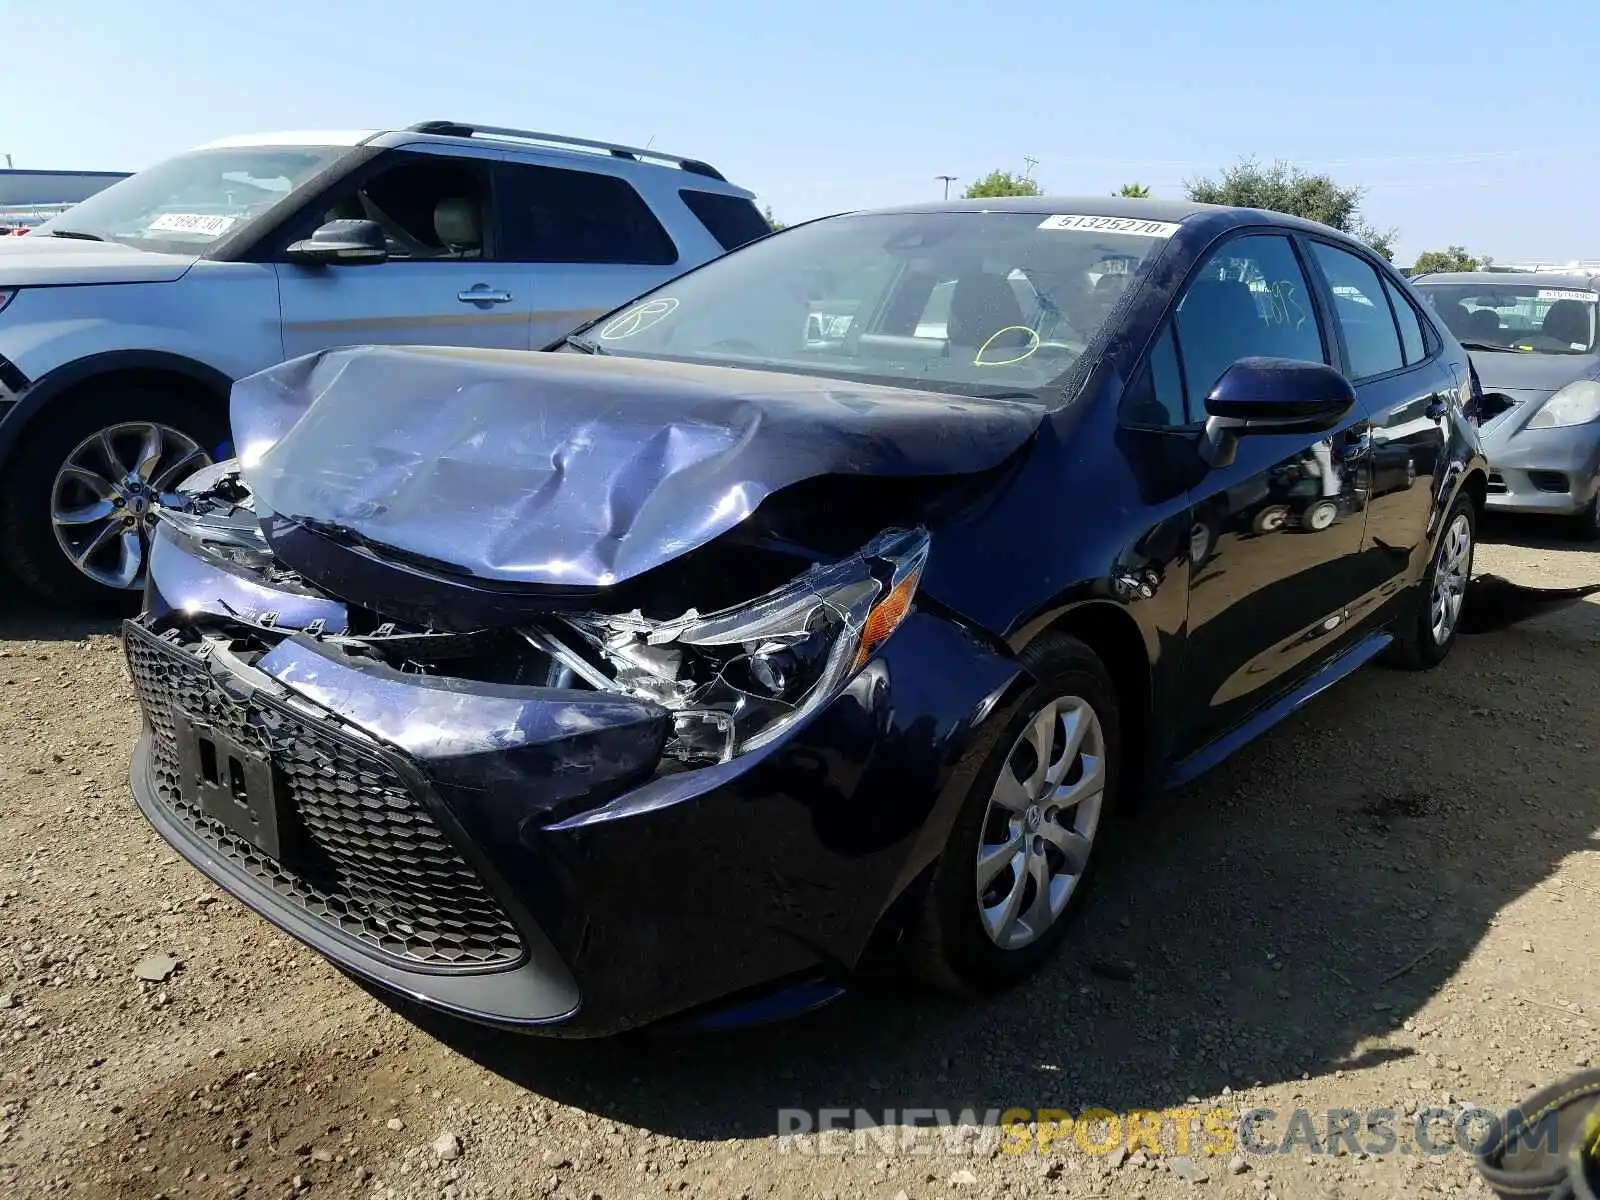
column 979, row 361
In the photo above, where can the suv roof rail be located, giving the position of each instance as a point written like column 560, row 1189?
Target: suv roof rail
column 463, row 129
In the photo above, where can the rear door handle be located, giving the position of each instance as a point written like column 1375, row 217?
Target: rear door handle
column 483, row 294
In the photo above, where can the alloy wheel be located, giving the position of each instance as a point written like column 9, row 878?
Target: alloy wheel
column 1041, row 821
column 1450, row 572
column 103, row 501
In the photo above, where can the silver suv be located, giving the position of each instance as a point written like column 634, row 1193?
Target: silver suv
column 125, row 320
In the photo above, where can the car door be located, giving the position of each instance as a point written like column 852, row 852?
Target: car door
column 1274, row 530
column 444, row 283
column 1407, row 389
column 589, row 240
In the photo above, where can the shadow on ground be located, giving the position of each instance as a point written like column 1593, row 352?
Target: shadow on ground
column 1279, row 915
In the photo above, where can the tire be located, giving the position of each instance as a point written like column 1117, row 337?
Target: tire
column 1586, row 525
column 955, row 949
column 1417, row 645
column 1271, row 519
column 32, row 485
column 1322, row 515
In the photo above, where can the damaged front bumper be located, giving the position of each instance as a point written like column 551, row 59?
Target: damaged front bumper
column 517, row 844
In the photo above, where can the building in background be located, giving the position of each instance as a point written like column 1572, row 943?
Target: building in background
column 29, row 197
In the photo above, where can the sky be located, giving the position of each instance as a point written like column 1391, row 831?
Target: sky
column 1476, row 128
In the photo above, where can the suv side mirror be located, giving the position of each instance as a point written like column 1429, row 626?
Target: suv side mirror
column 1272, row 395
column 343, row 243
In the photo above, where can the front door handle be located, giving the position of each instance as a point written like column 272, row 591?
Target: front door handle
column 1438, row 406
column 483, row 295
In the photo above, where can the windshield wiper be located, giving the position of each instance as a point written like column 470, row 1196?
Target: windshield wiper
column 81, row 235
column 1489, row 346
column 584, row 345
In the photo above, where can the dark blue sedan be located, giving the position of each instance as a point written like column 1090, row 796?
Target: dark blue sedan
column 829, row 597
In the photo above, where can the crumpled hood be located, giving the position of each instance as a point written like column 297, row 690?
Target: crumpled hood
column 572, row 469
column 1523, row 372
column 37, row 260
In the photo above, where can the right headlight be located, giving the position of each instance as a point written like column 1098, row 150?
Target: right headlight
column 752, row 672
column 1576, row 404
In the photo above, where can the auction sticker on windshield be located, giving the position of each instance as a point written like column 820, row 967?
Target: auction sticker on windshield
column 1568, row 294
column 207, row 223
column 1077, row 223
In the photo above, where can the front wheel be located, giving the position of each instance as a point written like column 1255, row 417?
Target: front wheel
column 79, row 495
column 1425, row 635
column 1019, row 853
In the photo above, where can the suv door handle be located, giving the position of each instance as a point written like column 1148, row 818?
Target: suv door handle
column 483, row 294
column 1438, row 406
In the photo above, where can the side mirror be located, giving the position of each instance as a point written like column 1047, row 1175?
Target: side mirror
column 343, row 243
column 1272, row 395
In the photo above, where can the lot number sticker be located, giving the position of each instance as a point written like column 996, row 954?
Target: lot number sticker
column 1077, row 223
column 192, row 223
column 1567, row 294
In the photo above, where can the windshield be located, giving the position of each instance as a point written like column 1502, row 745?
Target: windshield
column 980, row 303
column 186, row 203
column 1525, row 317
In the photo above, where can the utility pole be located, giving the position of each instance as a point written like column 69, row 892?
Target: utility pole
column 948, row 180
column 8, row 162
column 1032, row 163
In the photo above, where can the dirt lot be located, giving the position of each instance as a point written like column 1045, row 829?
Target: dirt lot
column 1389, row 902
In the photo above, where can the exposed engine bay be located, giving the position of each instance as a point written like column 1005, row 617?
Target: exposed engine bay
column 732, row 679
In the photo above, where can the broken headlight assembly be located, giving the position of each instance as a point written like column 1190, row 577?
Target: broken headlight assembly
column 736, row 680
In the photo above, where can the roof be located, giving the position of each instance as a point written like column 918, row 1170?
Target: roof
column 296, row 137
column 1505, row 279
column 1149, row 209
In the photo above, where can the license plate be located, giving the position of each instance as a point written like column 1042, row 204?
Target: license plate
column 232, row 784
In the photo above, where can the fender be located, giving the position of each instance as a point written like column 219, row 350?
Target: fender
column 33, row 396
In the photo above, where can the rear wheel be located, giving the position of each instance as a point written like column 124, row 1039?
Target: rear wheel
column 1018, row 857
column 1423, row 638
column 79, row 495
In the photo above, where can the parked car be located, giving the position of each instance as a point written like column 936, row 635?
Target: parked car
column 1533, row 342
column 125, row 320
column 680, row 665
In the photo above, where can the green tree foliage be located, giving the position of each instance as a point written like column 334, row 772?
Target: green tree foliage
column 772, row 220
column 1001, row 183
column 1454, row 258
column 1135, row 191
column 1285, row 188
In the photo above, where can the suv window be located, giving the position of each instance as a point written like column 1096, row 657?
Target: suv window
column 1405, row 316
column 429, row 208
column 1370, row 338
column 552, row 215
column 732, row 220
column 1155, row 397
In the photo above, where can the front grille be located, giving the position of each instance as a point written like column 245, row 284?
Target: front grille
column 371, row 863
column 1497, row 484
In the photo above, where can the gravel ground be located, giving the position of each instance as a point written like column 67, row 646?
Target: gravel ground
column 1387, row 902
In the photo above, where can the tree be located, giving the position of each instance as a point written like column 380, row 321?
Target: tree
column 1455, row 258
column 1285, row 188
column 1001, row 183
column 1135, row 191
column 772, row 220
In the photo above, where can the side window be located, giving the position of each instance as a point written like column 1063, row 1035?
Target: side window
column 1248, row 298
column 1405, row 316
column 1155, row 397
column 1370, row 337
column 428, row 208
column 732, row 220
column 552, row 215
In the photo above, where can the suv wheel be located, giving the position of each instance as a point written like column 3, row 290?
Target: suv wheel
column 78, row 502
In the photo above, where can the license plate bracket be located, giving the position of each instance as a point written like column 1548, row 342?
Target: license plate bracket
column 233, row 784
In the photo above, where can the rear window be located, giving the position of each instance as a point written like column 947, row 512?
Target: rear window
column 732, row 220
